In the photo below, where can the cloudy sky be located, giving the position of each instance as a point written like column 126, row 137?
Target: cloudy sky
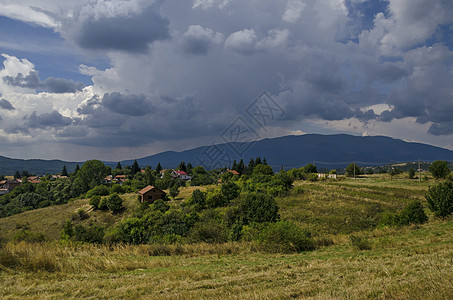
column 113, row 80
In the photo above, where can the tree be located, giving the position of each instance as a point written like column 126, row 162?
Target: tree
column 258, row 161
column 230, row 190
column 174, row 191
column 264, row 161
column 77, row 168
column 135, row 168
column 258, row 207
column 114, row 203
column 234, row 166
column 250, row 166
column 199, row 198
column 411, row 173
column 64, row 172
column 17, row 175
column 182, row 166
column 440, row 199
column 159, row 168
column 149, row 177
column 118, row 166
column 241, row 167
column 439, row 169
column 310, row 168
column 189, row 168
column 353, row 169
column 90, row 175
column 263, row 170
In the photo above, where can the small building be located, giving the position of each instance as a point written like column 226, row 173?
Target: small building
column 150, row 194
column 181, row 175
column 11, row 185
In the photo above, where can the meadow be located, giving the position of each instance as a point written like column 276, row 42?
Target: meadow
column 409, row 262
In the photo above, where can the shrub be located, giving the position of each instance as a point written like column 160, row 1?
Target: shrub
column 360, row 243
column 413, row 213
column 174, row 191
column 286, row 237
column 114, row 203
column 215, row 198
column 29, row 236
column 230, row 190
column 258, row 207
column 92, row 234
column 117, row 189
column 160, row 205
column 198, row 199
column 439, row 169
column 440, row 199
column 95, row 201
column 82, row 214
column 100, row 190
column 209, row 232
column 103, row 204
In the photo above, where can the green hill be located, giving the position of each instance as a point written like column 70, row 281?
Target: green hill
column 410, row 262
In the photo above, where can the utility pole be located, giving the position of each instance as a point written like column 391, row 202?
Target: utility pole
column 354, row 169
column 419, row 172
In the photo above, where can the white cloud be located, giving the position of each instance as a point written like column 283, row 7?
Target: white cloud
column 293, row 11
column 243, row 41
column 206, row 4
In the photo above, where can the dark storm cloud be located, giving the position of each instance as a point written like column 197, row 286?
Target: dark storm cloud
column 53, row 119
column 51, row 84
column 5, row 104
column 132, row 33
column 131, row 105
column 441, row 129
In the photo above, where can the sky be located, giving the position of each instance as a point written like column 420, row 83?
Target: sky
column 115, row 80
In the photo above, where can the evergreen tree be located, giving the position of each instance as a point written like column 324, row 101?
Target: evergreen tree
column 158, row 168
column 241, row 167
column 250, row 166
column 182, row 166
column 64, row 172
column 149, row 177
column 264, row 161
column 258, row 161
column 17, row 175
column 118, row 166
column 25, row 174
column 135, row 168
column 77, row 168
column 235, row 165
column 189, row 167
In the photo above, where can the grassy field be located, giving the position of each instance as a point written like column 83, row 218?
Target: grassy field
column 412, row 262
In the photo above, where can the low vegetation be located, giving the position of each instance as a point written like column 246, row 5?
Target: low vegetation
column 259, row 235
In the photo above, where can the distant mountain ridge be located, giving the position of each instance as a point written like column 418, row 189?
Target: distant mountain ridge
column 9, row 166
column 326, row 151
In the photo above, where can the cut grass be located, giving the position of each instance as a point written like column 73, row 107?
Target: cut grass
column 413, row 263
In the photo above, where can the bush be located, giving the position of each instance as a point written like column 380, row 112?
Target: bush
column 100, row 190
column 82, row 214
column 29, row 236
column 215, row 198
column 92, row 234
column 209, row 232
column 160, row 205
column 114, row 203
column 286, row 237
column 440, row 199
column 413, row 213
column 230, row 190
column 198, row 199
column 95, row 201
column 439, row 169
column 117, row 189
column 258, row 207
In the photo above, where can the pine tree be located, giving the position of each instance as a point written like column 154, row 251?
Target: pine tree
column 241, row 166
column 264, row 161
column 182, row 166
column 77, row 168
column 17, row 175
column 64, row 172
column 118, row 166
column 135, row 168
column 258, row 161
column 250, row 166
column 189, row 167
column 235, row 165
column 158, row 168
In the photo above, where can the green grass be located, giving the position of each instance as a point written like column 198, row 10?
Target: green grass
column 412, row 262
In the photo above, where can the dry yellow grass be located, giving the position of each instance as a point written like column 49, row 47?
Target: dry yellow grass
column 410, row 263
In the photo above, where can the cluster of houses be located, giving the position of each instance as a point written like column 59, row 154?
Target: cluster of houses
column 181, row 175
column 7, row 186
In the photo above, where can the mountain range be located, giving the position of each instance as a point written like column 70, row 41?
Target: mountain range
column 326, row 151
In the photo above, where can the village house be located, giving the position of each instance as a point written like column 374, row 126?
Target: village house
column 328, row 176
column 150, row 194
column 176, row 175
